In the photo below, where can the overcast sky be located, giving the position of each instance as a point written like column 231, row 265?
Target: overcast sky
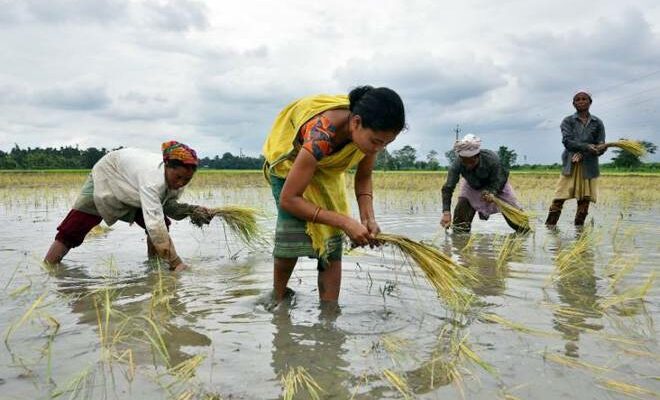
column 109, row 73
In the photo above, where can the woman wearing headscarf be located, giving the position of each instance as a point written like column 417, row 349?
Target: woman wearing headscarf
column 133, row 185
column 583, row 136
column 312, row 143
column 484, row 176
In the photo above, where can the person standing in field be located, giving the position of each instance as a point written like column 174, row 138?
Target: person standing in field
column 583, row 136
column 133, row 185
column 313, row 141
column 484, row 177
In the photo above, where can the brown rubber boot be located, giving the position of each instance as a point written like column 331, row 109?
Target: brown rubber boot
column 582, row 211
column 554, row 212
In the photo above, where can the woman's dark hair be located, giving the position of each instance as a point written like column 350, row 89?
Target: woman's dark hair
column 178, row 163
column 381, row 109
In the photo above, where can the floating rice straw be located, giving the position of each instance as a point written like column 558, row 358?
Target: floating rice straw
column 448, row 278
column 571, row 362
column 398, row 382
column 626, row 388
column 632, row 146
column 514, row 325
column 514, row 214
column 242, row 221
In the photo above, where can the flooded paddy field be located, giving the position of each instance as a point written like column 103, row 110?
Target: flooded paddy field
column 563, row 313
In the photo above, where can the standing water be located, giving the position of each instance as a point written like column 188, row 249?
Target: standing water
column 565, row 313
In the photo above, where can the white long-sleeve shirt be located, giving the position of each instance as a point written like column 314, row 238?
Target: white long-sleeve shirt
column 129, row 178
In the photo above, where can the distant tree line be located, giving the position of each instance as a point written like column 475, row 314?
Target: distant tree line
column 405, row 158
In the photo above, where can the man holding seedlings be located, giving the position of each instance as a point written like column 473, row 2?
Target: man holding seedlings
column 312, row 143
column 583, row 136
column 484, row 177
column 133, row 185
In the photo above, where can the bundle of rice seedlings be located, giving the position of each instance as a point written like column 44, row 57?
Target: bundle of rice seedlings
column 298, row 378
column 632, row 146
column 514, row 214
column 242, row 221
column 448, row 278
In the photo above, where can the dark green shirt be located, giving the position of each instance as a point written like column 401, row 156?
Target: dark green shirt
column 576, row 137
column 489, row 175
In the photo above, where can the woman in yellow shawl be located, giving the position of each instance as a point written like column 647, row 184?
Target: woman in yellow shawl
column 334, row 133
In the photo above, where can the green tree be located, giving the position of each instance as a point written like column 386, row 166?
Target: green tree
column 624, row 159
column 384, row 161
column 507, row 157
column 450, row 155
column 432, row 160
column 405, row 157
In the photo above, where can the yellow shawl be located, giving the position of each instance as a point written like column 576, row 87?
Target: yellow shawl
column 328, row 186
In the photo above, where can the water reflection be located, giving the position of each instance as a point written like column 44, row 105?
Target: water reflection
column 489, row 255
column 153, row 294
column 317, row 346
column 577, row 290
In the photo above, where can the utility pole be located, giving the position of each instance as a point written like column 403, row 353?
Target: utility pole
column 457, row 130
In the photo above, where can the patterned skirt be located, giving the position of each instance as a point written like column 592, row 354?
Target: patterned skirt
column 291, row 240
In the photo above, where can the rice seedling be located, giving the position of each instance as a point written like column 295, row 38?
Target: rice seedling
column 515, row 326
column 511, row 245
column 298, row 378
column 242, row 221
column 634, row 293
column 185, row 370
column 632, row 146
column 398, row 383
column 626, row 388
column 465, row 350
column 574, row 363
column 513, row 213
column 395, row 346
column 448, row 278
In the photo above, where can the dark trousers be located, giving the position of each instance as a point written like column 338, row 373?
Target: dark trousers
column 580, row 214
column 464, row 214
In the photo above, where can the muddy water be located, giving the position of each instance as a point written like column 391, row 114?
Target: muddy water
column 217, row 319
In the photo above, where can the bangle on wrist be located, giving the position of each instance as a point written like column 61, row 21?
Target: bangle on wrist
column 316, row 214
column 365, row 194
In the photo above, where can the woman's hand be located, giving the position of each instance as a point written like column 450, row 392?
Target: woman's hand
column 577, row 157
column 374, row 230
column 487, row 196
column 201, row 216
column 602, row 147
column 446, row 219
column 358, row 233
column 593, row 149
column 179, row 267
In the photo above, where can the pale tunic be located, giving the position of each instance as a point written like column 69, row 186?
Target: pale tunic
column 127, row 179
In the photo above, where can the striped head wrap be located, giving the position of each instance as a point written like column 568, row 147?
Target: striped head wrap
column 469, row 146
column 173, row 150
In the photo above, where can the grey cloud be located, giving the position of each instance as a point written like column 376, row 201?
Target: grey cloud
column 75, row 96
column 176, row 15
column 135, row 106
column 99, row 11
column 427, row 80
